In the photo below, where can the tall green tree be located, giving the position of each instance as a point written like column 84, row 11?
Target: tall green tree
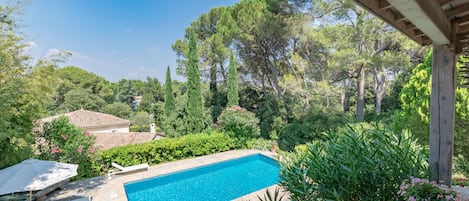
column 233, row 97
column 118, row 109
column 125, row 92
column 17, row 112
column 81, row 99
column 414, row 114
column 79, row 78
column 195, row 110
column 168, row 95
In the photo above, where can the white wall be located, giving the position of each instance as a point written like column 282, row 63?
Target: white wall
column 117, row 129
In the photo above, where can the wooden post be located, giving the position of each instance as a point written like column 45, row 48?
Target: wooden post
column 442, row 111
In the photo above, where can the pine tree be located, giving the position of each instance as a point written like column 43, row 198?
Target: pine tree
column 169, row 105
column 233, row 97
column 195, row 112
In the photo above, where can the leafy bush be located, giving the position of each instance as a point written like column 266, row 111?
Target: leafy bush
column 414, row 114
column 176, row 124
column 238, row 122
column 353, row 164
column 139, row 128
column 141, row 122
column 461, row 165
column 117, row 109
column 259, row 143
column 421, row 189
column 310, row 127
column 64, row 142
column 165, row 150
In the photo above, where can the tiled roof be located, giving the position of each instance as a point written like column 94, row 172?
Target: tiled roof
column 89, row 119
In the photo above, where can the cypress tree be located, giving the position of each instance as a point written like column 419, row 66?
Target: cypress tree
column 195, row 112
column 233, row 97
column 168, row 95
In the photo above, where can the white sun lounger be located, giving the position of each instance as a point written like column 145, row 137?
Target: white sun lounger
column 122, row 170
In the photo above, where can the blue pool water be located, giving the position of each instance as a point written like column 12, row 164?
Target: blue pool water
column 219, row 181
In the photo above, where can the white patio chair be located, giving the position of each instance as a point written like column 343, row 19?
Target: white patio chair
column 128, row 169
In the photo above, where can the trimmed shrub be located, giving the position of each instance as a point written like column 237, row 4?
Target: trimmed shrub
column 238, row 122
column 165, row 150
column 363, row 164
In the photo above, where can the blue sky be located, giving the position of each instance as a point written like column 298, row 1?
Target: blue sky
column 114, row 39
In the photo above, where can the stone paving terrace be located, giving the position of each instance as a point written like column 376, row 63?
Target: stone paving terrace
column 103, row 188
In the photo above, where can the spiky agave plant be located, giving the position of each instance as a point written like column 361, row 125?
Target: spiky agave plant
column 277, row 195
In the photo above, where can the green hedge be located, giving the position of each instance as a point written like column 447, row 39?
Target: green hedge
column 165, row 150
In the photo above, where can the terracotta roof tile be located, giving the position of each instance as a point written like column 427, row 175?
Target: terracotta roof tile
column 89, row 119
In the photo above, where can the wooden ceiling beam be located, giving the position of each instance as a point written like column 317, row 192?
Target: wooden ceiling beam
column 426, row 40
column 463, row 29
column 463, row 20
column 444, row 1
column 399, row 17
column 460, row 42
column 388, row 16
column 383, row 5
column 458, row 10
column 427, row 16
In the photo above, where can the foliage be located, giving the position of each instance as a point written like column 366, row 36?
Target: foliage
column 354, row 165
column 74, row 78
column 278, row 195
column 415, row 108
column 42, row 82
column 310, row 127
column 176, row 124
column 461, row 165
column 460, row 180
column 414, row 189
column 125, row 92
column 271, row 121
column 18, row 108
column 169, row 105
column 233, row 97
column 146, row 104
column 259, row 144
column 117, row 109
column 62, row 141
column 238, row 122
column 158, row 116
column 140, row 122
column 76, row 99
column 168, row 149
column 195, row 114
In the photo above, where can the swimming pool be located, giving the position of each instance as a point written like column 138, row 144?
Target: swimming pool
column 221, row 181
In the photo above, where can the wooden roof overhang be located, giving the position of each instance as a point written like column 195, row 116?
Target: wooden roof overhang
column 425, row 21
column 445, row 25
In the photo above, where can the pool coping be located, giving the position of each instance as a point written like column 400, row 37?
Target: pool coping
column 103, row 188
